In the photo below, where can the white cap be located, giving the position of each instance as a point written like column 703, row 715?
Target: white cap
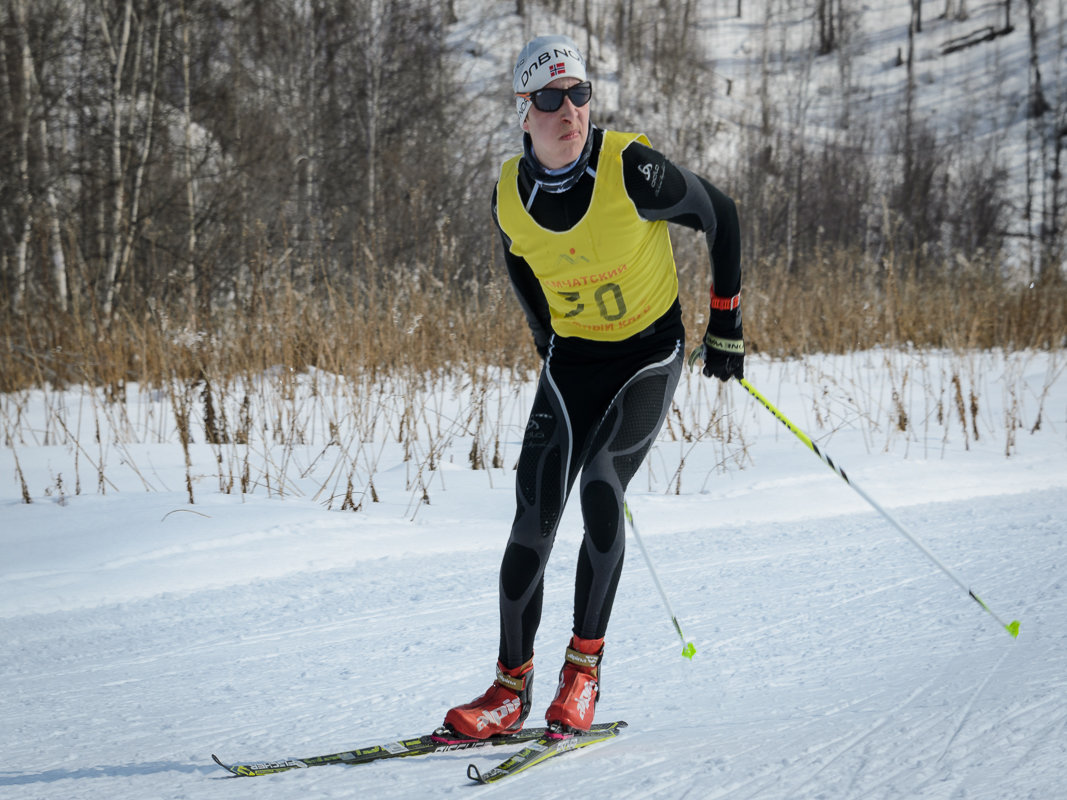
column 541, row 61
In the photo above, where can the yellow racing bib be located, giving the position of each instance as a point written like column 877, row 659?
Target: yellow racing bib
column 612, row 274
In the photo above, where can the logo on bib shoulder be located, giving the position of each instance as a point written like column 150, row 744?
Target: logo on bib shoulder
column 654, row 175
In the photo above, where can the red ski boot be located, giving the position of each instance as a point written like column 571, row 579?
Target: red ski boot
column 502, row 709
column 579, row 686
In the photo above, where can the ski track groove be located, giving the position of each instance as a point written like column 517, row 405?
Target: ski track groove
column 857, row 741
column 1014, row 720
column 970, row 704
column 1040, row 740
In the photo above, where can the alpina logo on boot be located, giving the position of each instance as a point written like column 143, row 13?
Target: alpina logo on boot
column 496, row 715
column 585, row 698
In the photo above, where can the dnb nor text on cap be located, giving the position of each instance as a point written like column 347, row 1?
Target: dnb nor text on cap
column 540, row 62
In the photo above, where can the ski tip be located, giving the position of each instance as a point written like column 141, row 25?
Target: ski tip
column 225, row 766
column 1013, row 629
column 689, row 650
column 475, row 774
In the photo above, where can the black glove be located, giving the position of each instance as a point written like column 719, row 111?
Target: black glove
column 724, row 345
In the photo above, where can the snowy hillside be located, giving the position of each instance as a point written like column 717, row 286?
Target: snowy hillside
column 972, row 81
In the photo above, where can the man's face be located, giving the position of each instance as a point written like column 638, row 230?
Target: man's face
column 558, row 136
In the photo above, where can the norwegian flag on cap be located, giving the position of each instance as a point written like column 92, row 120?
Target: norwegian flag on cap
column 541, row 61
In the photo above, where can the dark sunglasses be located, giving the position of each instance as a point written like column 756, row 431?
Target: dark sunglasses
column 551, row 99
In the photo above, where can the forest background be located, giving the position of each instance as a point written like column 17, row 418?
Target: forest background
column 206, row 189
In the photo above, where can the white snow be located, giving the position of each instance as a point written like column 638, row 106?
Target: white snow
column 140, row 633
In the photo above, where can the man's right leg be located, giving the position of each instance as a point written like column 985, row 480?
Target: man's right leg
column 542, row 483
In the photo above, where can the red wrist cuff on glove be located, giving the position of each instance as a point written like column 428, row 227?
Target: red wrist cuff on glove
column 725, row 303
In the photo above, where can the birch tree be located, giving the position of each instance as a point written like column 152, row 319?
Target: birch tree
column 22, row 106
column 190, row 255
column 36, row 205
column 117, row 42
column 145, row 151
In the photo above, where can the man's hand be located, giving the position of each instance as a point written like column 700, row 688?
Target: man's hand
column 723, row 349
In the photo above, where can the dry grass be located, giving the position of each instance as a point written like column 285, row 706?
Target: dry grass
column 299, row 394
column 846, row 303
column 426, row 327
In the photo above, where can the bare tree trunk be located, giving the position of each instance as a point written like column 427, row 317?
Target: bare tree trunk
column 7, row 112
column 765, row 72
column 25, row 191
column 117, row 51
column 242, row 280
column 55, row 239
column 909, row 92
column 32, row 90
column 146, row 149
column 587, row 20
column 1047, row 136
column 1038, row 105
column 824, row 11
column 1053, row 262
column 193, row 291
column 374, row 56
column 311, row 132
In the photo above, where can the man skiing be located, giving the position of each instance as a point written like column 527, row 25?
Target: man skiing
column 583, row 215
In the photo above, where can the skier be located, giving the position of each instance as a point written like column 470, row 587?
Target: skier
column 583, row 216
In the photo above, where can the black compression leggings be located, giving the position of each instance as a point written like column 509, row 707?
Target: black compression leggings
column 597, row 417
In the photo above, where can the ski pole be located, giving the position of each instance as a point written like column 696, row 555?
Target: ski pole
column 1012, row 628
column 688, row 648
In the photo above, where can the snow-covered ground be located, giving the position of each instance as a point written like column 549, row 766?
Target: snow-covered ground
column 140, row 633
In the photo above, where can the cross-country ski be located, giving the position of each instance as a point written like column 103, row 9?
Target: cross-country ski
column 440, row 741
column 550, row 745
